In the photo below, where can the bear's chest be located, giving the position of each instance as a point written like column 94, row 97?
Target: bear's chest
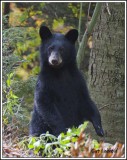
column 68, row 103
column 66, row 88
column 65, row 94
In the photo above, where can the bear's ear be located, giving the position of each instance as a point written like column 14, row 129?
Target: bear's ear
column 45, row 33
column 72, row 35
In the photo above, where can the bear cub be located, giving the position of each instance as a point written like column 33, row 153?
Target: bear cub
column 61, row 96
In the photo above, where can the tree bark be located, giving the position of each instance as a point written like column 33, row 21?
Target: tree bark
column 6, row 12
column 106, row 70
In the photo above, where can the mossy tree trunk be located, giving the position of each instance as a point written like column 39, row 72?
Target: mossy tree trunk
column 106, row 70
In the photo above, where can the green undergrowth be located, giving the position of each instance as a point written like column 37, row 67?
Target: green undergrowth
column 48, row 145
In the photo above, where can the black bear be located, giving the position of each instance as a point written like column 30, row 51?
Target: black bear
column 61, row 96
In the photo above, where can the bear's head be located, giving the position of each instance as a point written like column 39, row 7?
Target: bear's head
column 58, row 50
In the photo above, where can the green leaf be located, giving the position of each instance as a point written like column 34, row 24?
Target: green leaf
column 11, row 75
column 65, row 141
column 30, row 146
column 61, row 136
column 8, row 82
column 24, row 17
column 31, row 142
column 74, row 139
column 9, row 79
column 96, row 144
column 14, row 96
column 37, row 144
column 59, row 150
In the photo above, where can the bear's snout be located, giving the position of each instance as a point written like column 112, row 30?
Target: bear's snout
column 54, row 62
column 55, row 59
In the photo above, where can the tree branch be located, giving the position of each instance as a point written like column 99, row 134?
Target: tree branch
column 80, row 54
column 80, row 20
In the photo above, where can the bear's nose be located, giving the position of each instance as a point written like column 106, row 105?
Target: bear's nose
column 54, row 62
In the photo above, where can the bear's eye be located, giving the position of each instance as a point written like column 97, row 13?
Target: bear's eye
column 61, row 49
column 51, row 48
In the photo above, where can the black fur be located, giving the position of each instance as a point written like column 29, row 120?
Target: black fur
column 61, row 96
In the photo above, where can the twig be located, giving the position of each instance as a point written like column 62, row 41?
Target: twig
column 107, row 7
column 80, row 21
column 110, row 105
column 88, row 12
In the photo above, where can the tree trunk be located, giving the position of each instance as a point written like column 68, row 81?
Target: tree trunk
column 6, row 12
column 106, row 70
